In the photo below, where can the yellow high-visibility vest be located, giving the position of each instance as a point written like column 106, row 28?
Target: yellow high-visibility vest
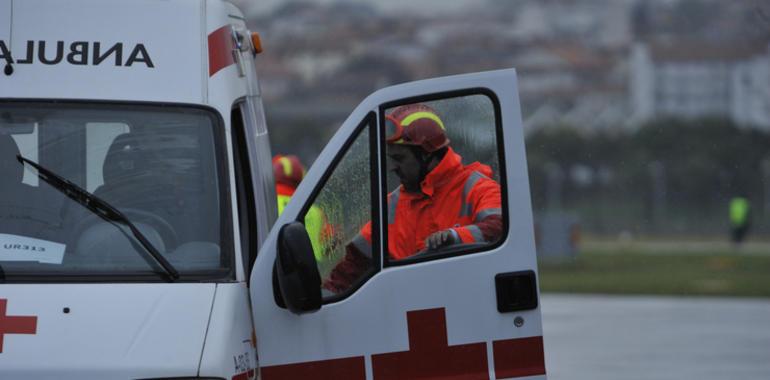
column 739, row 211
column 314, row 224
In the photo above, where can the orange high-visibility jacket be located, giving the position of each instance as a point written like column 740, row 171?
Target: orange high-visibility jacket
column 453, row 196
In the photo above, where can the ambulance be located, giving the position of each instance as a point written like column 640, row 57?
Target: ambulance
column 138, row 228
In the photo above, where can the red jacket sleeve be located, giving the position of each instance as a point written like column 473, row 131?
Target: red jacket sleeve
column 357, row 260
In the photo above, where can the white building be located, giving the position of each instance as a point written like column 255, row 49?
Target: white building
column 696, row 80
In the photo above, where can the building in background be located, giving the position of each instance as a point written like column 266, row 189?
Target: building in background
column 695, row 79
column 593, row 65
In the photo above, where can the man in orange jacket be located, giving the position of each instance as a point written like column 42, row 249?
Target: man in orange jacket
column 440, row 202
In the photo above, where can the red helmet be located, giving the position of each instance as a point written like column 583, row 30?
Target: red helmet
column 288, row 170
column 417, row 125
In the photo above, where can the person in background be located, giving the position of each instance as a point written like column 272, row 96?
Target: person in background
column 739, row 219
column 289, row 172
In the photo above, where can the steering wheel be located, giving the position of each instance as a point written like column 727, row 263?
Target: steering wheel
column 164, row 228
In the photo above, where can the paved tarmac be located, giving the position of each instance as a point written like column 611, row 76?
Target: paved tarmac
column 656, row 338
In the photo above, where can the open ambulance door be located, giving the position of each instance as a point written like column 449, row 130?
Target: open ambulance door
column 469, row 311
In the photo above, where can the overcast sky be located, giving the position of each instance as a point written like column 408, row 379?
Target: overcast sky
column 258, row 7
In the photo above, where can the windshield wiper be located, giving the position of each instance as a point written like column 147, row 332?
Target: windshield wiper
column 104, row 210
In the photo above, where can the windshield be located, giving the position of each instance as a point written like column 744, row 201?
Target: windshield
column 161, row 166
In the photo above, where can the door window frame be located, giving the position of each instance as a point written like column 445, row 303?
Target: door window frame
column 247, row 214
column 369, row 121
column 500, row 142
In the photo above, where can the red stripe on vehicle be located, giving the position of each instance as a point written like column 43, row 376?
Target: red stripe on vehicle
column 347, row 368
column 244, row 376
column 429, row 355
column 221, row 47
column 519, row 357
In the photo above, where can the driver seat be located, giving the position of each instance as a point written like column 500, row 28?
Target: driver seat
column 126, row 172
column 126, row 180
column 130, row 185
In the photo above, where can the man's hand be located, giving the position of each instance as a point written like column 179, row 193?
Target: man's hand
column 440, row 239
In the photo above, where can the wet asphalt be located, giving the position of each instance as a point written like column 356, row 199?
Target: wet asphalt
column 638, row 337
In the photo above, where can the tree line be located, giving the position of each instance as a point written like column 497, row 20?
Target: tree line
column 667, row 177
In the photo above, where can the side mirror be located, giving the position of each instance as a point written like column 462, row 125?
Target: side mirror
column 297, row 274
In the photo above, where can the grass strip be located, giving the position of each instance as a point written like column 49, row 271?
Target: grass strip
column 662, row 273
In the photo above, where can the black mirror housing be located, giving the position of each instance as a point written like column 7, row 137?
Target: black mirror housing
column 298, row 278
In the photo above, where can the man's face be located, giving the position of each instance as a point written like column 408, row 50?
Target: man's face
column 404, row 164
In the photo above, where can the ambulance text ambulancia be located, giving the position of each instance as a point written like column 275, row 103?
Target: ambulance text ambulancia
column 138, row 232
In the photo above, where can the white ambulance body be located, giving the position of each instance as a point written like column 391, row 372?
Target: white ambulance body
column 154, row 107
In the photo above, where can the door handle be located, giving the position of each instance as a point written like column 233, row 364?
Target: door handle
column 516, row 291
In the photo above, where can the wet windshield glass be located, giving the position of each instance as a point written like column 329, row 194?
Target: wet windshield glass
column 159, row 166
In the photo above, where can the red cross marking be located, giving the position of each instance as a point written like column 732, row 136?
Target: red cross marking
column 14, row 325
column 429, row 355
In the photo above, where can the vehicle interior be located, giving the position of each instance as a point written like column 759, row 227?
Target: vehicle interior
column 159, row 168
